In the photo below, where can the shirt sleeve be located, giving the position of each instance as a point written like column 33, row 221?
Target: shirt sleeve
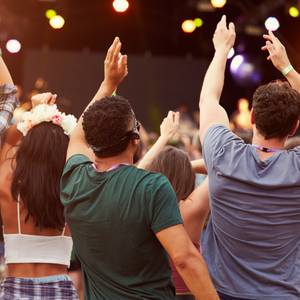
column 217, row 138
column 8, row 103
column 163, row 207
column 71, row 173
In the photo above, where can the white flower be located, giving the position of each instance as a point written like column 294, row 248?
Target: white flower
column 46, row 113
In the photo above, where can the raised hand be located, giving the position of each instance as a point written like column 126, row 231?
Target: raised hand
column 224, row 37
column 115, row 64
column 277, row 52
column 44, row 98
column 170, row 125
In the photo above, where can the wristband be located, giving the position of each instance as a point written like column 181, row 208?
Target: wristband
column 287, row 70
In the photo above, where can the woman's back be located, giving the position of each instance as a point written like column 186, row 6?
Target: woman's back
column 23, row 239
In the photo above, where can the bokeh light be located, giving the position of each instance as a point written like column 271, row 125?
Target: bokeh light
column 188, row 26
column 218, row 3
column 245, row 71
column 120, row 5
column 231, row 53
column 13, row 46
column 57, row 22
column 294, row 12
column 272, row 24
column 50, row 13
column 198, row 22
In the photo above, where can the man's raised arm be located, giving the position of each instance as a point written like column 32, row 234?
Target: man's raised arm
column 210, row 110
column 115, row 70
column 280, row 60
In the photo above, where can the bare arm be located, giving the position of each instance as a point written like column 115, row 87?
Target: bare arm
column 8, row 100
column 210, row 110
column 5, row 77
column 115, row 70
column 194, row 210
column 198, row 166
column 188, row 262
column 280, row 60
column 168, row 128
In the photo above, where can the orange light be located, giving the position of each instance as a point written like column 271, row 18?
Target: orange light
column 120, row 5
column 188, row 26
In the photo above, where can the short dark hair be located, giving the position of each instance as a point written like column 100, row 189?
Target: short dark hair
column 106, row 125
column 276, row 109
column 175, row 165
column 40, row 160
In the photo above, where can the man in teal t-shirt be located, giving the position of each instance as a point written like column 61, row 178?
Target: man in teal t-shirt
column 122, row 219
column 113, row 217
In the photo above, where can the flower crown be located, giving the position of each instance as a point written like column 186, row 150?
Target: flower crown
column 46, row 113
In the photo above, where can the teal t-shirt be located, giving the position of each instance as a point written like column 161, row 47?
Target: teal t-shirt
column 113, row 217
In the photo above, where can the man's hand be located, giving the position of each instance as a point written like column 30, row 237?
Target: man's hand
column 170, row 125
column 224, row 37
column 44, row 98
column 115, row 65
column 277, row 52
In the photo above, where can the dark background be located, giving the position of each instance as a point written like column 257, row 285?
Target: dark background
column 166, row 65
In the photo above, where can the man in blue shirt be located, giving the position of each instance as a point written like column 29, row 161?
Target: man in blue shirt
column 252, row 242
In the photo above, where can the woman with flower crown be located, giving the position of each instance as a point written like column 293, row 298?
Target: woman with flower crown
column 37, row 242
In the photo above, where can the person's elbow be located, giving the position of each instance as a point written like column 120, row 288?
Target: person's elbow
column 185, row 261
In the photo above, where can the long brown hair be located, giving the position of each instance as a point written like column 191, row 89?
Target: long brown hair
column 175, row 165
column 40, row 160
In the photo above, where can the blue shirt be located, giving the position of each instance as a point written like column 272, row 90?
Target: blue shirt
column 252, row 241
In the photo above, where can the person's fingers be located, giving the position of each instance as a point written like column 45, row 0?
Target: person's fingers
column 232, row 27
column 176, row 118
column 170, row 115
column 111, row 50
column 53, row 99
column 123, row 64
column 267, row 37
column 222, row 23
column 269, row 57
column 264, row 48
column 270, row 47
column 116, row 53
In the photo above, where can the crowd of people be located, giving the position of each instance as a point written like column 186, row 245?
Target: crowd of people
column 141, row 224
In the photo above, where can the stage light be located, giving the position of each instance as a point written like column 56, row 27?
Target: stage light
column 218, row 3
column 236, row 63
column 50, row 13
column 188, row 26
column 57, row 22
column 231, row 53
column 272, row 24
column 120, row 5
column 245, row 71
column 13, row 46
column 294, row 12
column 198, row 22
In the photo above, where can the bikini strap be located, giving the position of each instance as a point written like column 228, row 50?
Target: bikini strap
column 19, row 215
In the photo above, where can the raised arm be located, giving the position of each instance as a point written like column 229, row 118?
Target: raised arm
column 168, row 128
column 210, row 110
column 8, row 100
column 280, row 60
column 115, row 70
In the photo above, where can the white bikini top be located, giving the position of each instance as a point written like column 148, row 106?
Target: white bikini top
column 26, row 248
